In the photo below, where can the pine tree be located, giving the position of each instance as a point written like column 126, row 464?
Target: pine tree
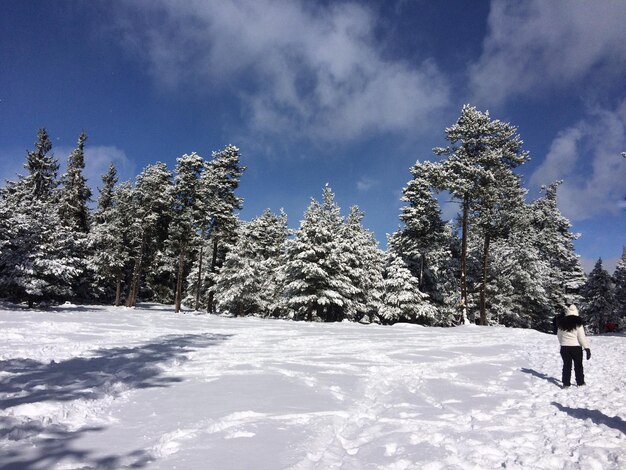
column 423, row 241
column 494, row 213
column 402, row 299
column 105, row 200
column 151, row 212
column 109, row 237
column 363, row 264
column 619, row 279
column 479, row 148
column 563, row 274
column 219, row 182
column 187, row 219
column 598, row 300
column 317, row 288
column 42, row 169
column 247, row 279
column 423, row 229
column 37, row 261
column 516, row 292
column 75, row 194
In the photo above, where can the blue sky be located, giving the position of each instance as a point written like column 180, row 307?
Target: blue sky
column 345, row 93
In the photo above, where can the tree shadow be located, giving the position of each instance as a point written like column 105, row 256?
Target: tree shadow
column 541, row 375
column 46, row 446
column 596, row 416
column 107, row 372
column 32, row 381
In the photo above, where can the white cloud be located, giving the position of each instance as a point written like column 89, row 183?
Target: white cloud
column 98, row 159
column 537, row 44
column 587, row 158
column 365, row 183
column 298, row 68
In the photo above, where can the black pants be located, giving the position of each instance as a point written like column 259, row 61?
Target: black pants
column 569, row 354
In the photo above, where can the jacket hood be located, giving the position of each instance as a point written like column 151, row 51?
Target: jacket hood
column 572, row 310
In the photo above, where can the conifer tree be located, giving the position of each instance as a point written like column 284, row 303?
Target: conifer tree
column 105, row 200
column 41, row 180
column 317, row 288
column 423, row 241
column 187, row 219
column 619, row 279
column 219, row 182
column 363, row 264
column 37, row 261
column 598, row 300
column 75, row 194
column 563, row 274
column 247, row 279
column 109, row 236
column 151, row 212
column 494, row 213
column 516, row 292
column 423, row 228
column 479, row 147
column 402, row 299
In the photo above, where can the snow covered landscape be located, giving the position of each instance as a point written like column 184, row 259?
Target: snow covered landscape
column 105, row 387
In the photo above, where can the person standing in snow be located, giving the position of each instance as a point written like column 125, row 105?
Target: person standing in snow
column 572, row 339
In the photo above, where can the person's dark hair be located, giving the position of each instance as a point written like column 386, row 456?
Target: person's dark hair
column 569, row 322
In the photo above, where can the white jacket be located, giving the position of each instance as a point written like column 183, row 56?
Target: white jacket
column 575, row 337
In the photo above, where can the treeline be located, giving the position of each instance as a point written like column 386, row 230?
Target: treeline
column 175, row 237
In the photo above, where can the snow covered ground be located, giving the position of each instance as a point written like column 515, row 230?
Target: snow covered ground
column 99, row 387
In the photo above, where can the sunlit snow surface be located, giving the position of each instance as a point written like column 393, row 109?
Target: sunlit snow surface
column 103, row 387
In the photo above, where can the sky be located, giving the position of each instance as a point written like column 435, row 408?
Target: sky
column 349, row 93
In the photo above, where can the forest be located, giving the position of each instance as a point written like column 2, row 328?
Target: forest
column 174, row 236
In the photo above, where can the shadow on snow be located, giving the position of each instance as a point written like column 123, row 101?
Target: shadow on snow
column 46, row 446
column 93, row 377
column 596, row 416
column 541, row 375
column 107, row 372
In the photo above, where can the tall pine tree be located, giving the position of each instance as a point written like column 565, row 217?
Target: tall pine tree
column 151, row 213
column 563, row 275
column 480, row 147
column 220, row 180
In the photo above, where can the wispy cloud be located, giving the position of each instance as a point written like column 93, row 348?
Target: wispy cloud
column 587, row 158
column 366, row 183
column 298, row 68
column 536, row 45
column 98, row 159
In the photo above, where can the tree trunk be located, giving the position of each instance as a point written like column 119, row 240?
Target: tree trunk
column 179, row 279
column 483, row 283
column 199, row 279
column 118, row 289
column 209, row 307
column 463, row 259
column 131, row 301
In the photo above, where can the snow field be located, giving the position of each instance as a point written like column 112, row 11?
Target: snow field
column 148, row 388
